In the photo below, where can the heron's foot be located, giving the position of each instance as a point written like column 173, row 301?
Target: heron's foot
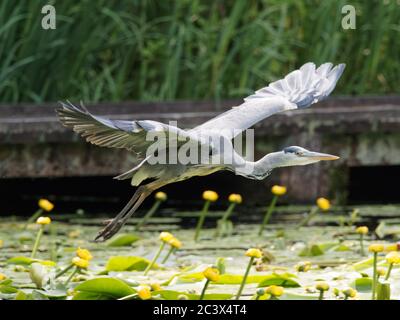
column 111, row 228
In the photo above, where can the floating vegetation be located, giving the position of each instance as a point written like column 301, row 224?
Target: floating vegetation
column 315, row 261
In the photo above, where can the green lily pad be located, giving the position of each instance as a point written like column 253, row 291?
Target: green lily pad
column 21, row 260
column 123, row 239
column 284, row 280
column 362, row 284
column 128, row 263
column 111, row 288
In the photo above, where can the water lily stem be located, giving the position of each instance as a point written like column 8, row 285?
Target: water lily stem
column 321, row 295
column 203, row 292
column 201, row 219
column 148, row 215
column 362, row 245
column 374, row 276
column 389, row 271
column 64, row 271
column 150, row 265
column 268, row 214
column 37, row 242
column 224, row 219
column 71, row 275
column 32, row 219
column 172, row 249
column 307, row 219
column 244, row 278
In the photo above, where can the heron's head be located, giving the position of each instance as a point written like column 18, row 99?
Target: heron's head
column 298, row 156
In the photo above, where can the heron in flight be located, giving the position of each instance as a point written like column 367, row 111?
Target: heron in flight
column 299, row 89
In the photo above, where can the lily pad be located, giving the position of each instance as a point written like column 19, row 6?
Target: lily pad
column 111, row 288
column 128, row 263
column 22, row 260
column 124, row 239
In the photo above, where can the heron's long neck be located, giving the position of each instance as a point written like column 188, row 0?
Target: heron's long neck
column 261, row 168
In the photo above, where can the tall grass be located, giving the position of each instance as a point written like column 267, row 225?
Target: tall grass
column 113, row 50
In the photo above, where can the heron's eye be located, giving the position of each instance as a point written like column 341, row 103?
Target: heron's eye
column 298, row 153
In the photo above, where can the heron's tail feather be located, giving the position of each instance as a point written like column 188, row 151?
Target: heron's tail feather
column 304, row 86
column 130, row 173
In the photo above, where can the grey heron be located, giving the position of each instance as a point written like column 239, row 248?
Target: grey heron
column 299, row 89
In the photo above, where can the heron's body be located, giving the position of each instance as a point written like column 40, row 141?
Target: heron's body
column 299, row 89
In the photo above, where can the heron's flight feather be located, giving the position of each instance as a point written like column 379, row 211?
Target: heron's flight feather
column 299, row 89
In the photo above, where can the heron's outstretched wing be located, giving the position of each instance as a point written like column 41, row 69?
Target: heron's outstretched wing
column 130, row 135
column 299, row 89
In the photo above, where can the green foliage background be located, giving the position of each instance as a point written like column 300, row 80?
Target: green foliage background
column 114, row 50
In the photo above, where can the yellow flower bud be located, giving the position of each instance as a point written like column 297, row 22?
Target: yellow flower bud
column 174, row 242
column 323, row 204
column 2, row 276
column 303, row 266
column 211, row 274
column 235, row 198
column 254, row 253
column 381, row 272
column 46, row 205
column 155, row 286
column 43, row 220
column 165, row 236
column 144, row 292
column 392, row 247
column 274, row 290
column 161, row 196
column 80, row 263
column 393, row 257
column 278, row 190
column 84, row 254
column 322, row 286
column 350, row 292
column 362, row 230
column 211, row 196
column 1, row 243
column 375, row 247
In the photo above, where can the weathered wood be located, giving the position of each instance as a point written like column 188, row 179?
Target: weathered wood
column 363, row 131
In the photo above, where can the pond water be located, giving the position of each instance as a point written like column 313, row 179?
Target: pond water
column 330, row 244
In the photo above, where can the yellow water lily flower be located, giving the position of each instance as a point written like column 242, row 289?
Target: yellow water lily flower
column 155, row 286
column 80, row 263
column 278, row 190
column 350, row 292
column 211, row 196
column 46, row 205
column 174, row 242
column 392, row 247
column 43, row 220
column 1, row 243
column 381, row 272
column 375, row 247
column 211, row 274
column 324, row 204
column 303, row 266
column 161, row 196
column 322, row 286
column 166, row 236
column 254, row 253
column 144, row 292
column 274, row 290
column 2, row 276
column 362, row 230
column 235, row 198
column 393, row 257
column 84, row 254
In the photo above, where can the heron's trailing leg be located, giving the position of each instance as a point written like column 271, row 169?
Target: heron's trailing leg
column 116, row 224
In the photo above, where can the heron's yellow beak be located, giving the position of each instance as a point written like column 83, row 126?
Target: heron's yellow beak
column 321, row 156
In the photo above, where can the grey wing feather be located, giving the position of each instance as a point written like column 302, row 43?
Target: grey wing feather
column 130, row 135
column 299, row 89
